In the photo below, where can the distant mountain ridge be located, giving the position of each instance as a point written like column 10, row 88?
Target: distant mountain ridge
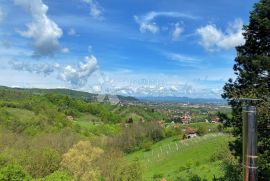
column 185, row 100
column 94, row 97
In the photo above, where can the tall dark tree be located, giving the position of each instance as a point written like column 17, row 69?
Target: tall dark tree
column 252, row 68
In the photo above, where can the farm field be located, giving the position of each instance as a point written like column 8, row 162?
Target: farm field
column 172, row 158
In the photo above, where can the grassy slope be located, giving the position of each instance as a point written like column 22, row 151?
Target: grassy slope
column 193, row 156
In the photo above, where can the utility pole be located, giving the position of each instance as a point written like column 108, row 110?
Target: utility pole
column 249, row 140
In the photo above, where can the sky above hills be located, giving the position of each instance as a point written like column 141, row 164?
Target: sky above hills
column 128, row 47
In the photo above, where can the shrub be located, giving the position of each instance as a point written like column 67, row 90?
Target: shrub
column 80, row 161
column 147, row 145
column 41, row 162
column 131, row 172
column 158, row 176
column 13, row 173
column 202, row 130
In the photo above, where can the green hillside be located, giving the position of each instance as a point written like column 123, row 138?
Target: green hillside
column 46, row 135
column 174, row 159
column 68, row 92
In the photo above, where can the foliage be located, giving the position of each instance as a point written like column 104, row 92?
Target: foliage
column 252, row 66
column 137, row 136
column 41, row 162
column 57, row 176
column 13, row 173
column 80, row 161
column 202, row 130
column 131, row 172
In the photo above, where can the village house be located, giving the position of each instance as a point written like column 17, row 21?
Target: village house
column 215, row 119
column 191, row 133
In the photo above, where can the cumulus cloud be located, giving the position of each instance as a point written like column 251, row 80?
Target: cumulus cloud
column 43, row 68
column 78, row 77
column 44, row 32
column 213, row 38
column 75, row 76
column 146, row 21
column 95, row 9
column 177, row 32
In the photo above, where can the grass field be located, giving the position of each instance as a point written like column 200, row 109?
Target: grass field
column 172, row 158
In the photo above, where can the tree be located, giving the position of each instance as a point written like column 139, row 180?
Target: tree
column 80, row 161
column 252, row 68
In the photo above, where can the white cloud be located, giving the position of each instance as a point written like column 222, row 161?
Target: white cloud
column 181, row 58
column 146, row 26
column 95, row 9
column 43, row 68
column 213, row 38
column 87, row 77
column 146, row 21
column 75, row 76
column 78, row 77
column 177, row 32
column 44, row 32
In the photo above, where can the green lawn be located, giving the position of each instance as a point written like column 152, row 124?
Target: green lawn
column 172, row 158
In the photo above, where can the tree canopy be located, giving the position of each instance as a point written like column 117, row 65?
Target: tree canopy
column 252, row 67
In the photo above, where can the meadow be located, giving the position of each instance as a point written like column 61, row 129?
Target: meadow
column 173, row 159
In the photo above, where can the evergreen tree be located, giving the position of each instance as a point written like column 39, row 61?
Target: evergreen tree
column 252, row 68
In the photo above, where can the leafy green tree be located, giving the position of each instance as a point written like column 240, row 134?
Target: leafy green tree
column 252, row 67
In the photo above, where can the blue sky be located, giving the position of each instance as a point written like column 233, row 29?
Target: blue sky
column 128, row 47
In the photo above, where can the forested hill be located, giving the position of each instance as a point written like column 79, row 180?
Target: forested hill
column 68, row 92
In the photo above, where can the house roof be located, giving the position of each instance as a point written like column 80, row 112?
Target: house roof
column 190, row 130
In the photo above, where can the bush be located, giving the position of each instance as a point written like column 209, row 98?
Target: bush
column 13, row 173
column 202, row 130
column 147, row 145
column 132, row 172
column 41, row 162
column 158, row 176
column 81, row 160
column 169, row 132
column 196, row 178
